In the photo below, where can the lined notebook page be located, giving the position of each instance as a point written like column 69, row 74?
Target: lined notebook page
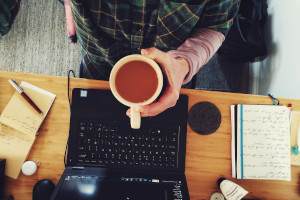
column 265, row 139
column 19, row 124
column 19, row 115
column 14, row 147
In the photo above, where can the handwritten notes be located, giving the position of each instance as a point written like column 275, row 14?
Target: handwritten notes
column 9, row 136
column 262, row 135
column 21, row 116
column 19, row 124
column 29, row 125
column 11, row 141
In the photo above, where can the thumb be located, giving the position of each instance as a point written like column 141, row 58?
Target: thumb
column 154, row 53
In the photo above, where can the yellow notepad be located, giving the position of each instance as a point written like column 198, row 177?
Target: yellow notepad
column 19, row 125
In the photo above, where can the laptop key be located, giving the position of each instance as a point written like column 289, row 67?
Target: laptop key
column 105, row 144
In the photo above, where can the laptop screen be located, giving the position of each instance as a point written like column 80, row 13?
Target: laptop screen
column 100, row 188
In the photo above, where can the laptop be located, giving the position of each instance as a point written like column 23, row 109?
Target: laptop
column 107, row 160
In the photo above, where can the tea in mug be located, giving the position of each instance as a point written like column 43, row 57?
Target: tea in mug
column 136, row 81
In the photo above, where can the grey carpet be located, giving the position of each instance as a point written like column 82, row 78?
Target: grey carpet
column 38, row 41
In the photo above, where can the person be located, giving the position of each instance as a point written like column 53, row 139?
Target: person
column 180, row 35
column 8, row 12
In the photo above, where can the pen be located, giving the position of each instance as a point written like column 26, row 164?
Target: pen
column 24, row 95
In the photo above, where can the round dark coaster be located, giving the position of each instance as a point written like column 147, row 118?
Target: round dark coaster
column 204, row 118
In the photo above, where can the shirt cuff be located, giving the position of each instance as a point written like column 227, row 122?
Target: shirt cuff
column 198, row 49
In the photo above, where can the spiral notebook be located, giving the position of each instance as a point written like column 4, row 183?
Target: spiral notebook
column 19, row 125
column 261, row 142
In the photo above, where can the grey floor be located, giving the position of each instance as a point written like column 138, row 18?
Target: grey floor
column 38, row 43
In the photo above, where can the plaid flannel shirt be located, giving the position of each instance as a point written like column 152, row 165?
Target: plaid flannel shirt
column 111, row 29
column 8, row 11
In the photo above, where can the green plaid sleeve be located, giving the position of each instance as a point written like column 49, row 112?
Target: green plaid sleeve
column 8, row 11
column 218, row 15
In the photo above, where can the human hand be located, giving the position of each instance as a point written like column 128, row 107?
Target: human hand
column 175, row 71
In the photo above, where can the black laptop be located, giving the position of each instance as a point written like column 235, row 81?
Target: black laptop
column 107, row 160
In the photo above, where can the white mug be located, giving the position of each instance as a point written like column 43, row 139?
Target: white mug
column 135, row 119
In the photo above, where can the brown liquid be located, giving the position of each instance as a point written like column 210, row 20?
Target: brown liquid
column 136, row 81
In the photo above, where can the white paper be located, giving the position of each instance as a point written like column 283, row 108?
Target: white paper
column 266, row 142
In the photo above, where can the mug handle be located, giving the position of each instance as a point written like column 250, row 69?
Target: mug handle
column 135, row 119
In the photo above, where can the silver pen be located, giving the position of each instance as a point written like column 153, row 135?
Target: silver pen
column 24, row 95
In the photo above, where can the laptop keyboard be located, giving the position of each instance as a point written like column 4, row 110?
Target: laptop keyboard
column 110, row 144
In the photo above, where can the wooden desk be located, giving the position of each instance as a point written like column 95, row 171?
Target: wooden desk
column 207, row 159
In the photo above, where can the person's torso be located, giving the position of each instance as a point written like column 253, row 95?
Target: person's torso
column 111, row 29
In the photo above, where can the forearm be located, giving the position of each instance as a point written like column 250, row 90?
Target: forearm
column 198, row 49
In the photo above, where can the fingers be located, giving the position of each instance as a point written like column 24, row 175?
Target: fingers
column 162, row 58
column 167, row 100
column 155, row 54
column 174, row 76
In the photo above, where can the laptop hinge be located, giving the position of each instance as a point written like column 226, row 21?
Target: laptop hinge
column 78, row 167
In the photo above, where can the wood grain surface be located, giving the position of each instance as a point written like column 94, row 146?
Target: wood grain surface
column 208, row 157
